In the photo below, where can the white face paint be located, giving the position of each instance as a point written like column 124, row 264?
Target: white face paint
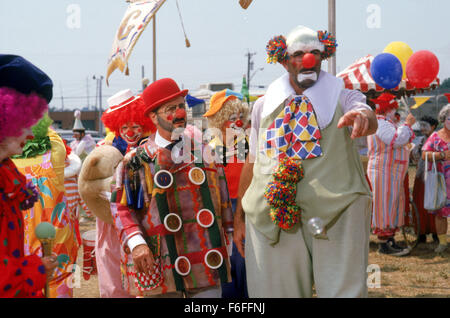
column 391, row 114
column 307, row 76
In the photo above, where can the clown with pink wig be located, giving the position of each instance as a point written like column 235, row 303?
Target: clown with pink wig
column 25, row 92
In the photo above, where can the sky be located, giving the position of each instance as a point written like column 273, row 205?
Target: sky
column 221, row 33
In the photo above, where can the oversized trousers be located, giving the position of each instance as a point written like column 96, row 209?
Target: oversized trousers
column 107, row 254
column 337, row 267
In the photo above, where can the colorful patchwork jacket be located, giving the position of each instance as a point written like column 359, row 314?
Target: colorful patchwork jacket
column 183, row 212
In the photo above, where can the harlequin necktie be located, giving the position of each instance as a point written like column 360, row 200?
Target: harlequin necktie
column 294, row 133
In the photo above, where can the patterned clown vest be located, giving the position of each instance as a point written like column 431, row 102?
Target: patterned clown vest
column 172, row 225
column 331, row 182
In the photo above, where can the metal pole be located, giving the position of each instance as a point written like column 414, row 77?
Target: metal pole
column 332, row 29
column 100, row 126
column 143, row 76
column 248, row 70
column 154, row 47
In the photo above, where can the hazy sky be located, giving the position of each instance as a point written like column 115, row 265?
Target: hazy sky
column 220, row 33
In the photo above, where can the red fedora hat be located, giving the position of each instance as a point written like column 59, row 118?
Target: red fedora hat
column 160, row 92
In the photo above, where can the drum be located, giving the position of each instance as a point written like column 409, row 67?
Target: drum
column 89, row 263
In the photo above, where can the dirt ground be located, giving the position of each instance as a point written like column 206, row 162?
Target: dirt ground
column 422, row 273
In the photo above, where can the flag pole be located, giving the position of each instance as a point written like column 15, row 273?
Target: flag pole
column 154, row 47
column 332, row 30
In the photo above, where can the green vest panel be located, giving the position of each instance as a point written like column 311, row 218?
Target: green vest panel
column 331, row 182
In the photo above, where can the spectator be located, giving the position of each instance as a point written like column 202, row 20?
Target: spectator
column 427, row 126
column 438, row 143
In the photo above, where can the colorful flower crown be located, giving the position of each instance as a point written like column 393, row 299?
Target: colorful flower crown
column 329, row 41
column 277, row 49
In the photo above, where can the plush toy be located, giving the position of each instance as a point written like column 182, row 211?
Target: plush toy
column 94, row 182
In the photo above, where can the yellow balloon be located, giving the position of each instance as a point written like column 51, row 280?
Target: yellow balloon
column 402, row 51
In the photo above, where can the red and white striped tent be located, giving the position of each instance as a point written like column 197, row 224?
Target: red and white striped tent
column 358, row 76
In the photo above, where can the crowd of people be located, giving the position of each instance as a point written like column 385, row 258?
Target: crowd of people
column 230, row 217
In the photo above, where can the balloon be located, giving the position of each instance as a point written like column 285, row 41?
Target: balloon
column 422, row 68
column 402, row 51
column 386, row 70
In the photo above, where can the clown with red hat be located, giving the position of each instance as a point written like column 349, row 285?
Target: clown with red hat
column 174, row 240
column 124, row 119
column 388, row 154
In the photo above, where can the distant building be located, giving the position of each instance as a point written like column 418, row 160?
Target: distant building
column 65, row 119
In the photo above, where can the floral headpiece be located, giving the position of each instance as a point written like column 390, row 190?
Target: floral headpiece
column 300, row 38
column 277, row 50
column 329, row 42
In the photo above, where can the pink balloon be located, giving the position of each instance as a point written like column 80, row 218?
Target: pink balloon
column 422, row 68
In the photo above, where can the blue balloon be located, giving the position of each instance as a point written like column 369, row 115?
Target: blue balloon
column 387, row 70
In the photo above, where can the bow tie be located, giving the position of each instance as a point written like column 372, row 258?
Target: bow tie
column 294, row 133
column 173, row 143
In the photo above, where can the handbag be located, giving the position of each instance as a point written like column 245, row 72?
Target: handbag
column 435, row 194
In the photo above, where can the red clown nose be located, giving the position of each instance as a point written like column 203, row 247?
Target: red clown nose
column 239, row 123
column 130, row 133
column 308, row 60
column 180, row 113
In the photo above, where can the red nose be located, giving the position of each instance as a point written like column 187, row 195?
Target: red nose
column 30, row 137
column 130, row 133
column 239, row 123
column 180, row 113
column 308, row 60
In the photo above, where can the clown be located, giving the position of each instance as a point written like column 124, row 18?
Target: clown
column 125, row 120
column 228, row 115
column 388, row 154
column 25, row 92
column 173, row 216
column 83, row 144
column 303, row 165
column 43, row 163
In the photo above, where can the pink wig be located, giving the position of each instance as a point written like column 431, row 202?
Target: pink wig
column 19, row 111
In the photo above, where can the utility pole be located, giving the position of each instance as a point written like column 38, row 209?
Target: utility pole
column 332, row 30
column 62, row 98
column 249, row 67
column 145, row 80
column 87, row 91
column 100, row 110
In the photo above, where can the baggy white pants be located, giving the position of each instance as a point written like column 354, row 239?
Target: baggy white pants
column 337, row 267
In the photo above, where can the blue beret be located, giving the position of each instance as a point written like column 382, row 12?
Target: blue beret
column 19, row 74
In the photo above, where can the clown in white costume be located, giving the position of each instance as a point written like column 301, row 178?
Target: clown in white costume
column 83, row 144
column 303, row 156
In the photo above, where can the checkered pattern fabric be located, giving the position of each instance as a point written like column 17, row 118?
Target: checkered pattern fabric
column 294, row 133
column 145, row 282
